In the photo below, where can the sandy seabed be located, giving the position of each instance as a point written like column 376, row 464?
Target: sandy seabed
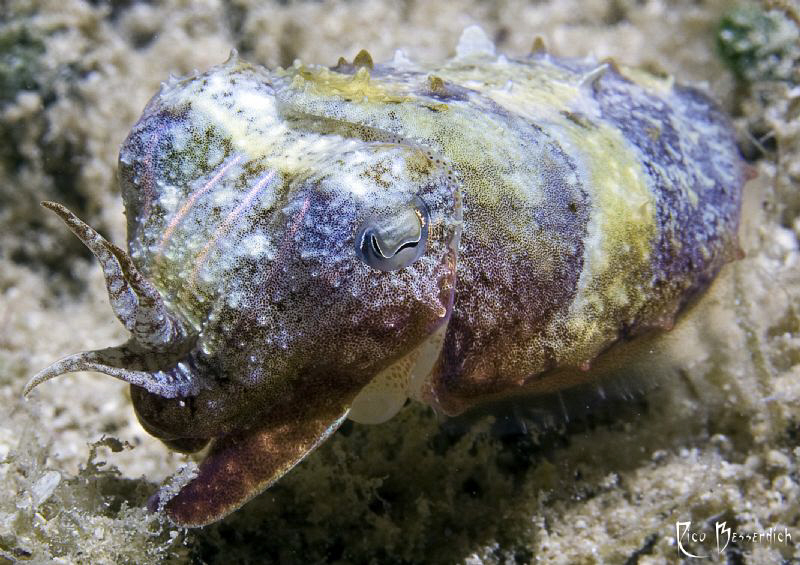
column 714, row 436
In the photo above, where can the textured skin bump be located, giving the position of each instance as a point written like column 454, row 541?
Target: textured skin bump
column 564, row 207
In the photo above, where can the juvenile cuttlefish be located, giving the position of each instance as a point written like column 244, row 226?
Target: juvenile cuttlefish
column 310, row 244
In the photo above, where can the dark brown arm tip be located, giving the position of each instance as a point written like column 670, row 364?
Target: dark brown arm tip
column 242, row 465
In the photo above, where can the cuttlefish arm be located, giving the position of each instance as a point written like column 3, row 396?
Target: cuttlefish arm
column 241, row 465
column 134, row 299
column 154, row 357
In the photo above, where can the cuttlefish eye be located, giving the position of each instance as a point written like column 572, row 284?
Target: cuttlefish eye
column 393, row 241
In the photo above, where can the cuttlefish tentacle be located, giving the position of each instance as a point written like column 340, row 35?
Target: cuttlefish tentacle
column 243, row 464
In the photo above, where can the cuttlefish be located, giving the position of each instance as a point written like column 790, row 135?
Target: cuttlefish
column 311, row 244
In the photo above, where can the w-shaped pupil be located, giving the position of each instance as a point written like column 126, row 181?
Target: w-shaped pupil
column 395, row 240
column 376, row 247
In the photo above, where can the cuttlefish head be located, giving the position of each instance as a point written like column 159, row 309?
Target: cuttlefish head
column 259, row 334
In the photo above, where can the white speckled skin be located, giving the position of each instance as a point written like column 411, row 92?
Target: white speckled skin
column 564, row 206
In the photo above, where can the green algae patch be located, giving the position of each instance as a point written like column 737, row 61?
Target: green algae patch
column 20, row 68
column 759, row 44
